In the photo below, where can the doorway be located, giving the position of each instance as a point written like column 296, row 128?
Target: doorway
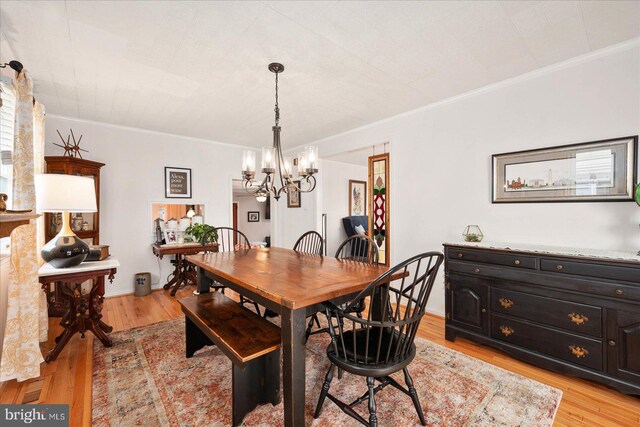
column 347, row 178
column 251, row 217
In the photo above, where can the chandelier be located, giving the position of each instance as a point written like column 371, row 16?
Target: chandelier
column 277, row 168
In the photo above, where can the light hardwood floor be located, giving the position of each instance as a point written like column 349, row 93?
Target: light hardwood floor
column 68, row 379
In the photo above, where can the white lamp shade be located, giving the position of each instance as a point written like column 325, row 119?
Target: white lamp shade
column 59, row 193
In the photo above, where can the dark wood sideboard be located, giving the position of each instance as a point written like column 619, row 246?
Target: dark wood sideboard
column 577, row 315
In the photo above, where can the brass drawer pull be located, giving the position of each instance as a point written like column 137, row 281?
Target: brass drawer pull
column 516, row 262
column 506, row 303
column 559, row 267
column 477, row 270
column 460, row 255
column 484, row 310
column 611, row 343
column 619, row 292
column 578, row 351
column 578, row 319
column 506, row 331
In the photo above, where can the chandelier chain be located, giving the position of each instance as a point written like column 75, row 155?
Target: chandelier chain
column 277, row 109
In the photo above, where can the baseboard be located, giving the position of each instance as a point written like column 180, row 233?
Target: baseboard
column 125, row 293
column 434, row 314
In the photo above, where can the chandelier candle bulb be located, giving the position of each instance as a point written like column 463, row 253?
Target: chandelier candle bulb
column 311, row 153
column 268, row 157
column 286, row 173
column 302, row 164
column 248, row 163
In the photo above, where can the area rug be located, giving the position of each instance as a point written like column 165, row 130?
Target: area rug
column 145, row 379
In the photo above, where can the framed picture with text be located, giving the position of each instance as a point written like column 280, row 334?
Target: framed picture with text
column 597, row 171
column 177, row 183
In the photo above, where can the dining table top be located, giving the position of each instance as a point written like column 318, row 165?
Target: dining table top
column 289, row 278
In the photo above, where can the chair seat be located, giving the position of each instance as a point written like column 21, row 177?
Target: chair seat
column 356, row 363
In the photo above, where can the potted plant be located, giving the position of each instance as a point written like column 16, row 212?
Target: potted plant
column 203, row 233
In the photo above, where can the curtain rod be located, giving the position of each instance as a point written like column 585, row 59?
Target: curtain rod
column 17, row 67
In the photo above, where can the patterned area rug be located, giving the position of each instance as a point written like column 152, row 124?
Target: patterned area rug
column 145, row 379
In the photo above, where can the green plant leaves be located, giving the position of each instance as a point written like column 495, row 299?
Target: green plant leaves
column 203, row 231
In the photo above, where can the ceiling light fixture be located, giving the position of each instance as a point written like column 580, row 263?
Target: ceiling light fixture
column 276, row 167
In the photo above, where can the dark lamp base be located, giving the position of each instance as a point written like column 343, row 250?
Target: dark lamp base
column 65, row 251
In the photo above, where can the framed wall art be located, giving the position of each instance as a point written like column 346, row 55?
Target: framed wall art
column 294, row 199
column 253, row 216
column 597, row 171
column 379, row 205
column 357, row 197
column 177, row 183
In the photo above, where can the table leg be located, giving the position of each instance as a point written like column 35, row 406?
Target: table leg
column 203, row 283
column 176, row 274
column 293, row 364
column 179, row 273
column 70, row 321
column 172, row 281
column 96, row 325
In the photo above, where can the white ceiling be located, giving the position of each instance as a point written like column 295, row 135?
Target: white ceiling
column 200, row 68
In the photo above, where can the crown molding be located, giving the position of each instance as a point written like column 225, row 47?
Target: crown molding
column 152, row 132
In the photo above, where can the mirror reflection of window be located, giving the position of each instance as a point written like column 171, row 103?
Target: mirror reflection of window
column 594, row 171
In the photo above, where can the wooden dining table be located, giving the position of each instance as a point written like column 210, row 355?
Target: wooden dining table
column 293, row 285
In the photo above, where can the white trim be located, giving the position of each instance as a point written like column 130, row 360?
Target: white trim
column 610, row 50
column 153, row 132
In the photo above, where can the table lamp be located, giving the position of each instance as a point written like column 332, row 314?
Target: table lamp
column 65, row 193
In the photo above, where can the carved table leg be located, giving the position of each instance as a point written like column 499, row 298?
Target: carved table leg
column 176, row 276
column 70, row 322
column 179, row 275
column 96, row 300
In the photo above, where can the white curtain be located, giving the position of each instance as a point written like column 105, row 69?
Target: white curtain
column 26, row 322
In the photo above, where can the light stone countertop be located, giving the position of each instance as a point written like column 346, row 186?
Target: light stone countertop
column 49, row 270
column 553, row 250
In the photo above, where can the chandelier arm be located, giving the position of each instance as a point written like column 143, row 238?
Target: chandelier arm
column 249, row 188
column 280, row 158
column 311, row 180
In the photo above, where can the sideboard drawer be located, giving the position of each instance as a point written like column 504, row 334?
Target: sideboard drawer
column 572, row 316
column 612, row 272
column 520, row 261
column 582, row 351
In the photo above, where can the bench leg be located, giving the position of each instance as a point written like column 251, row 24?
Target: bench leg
column 195, row 338
column 255, row 383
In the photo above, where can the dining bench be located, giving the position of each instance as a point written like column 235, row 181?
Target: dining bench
column 249, row 341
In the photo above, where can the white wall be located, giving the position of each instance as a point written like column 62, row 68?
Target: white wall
column 291, row 223
column 134, row 176
column 255, row 231
column 335, row 198
column 441, row 159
